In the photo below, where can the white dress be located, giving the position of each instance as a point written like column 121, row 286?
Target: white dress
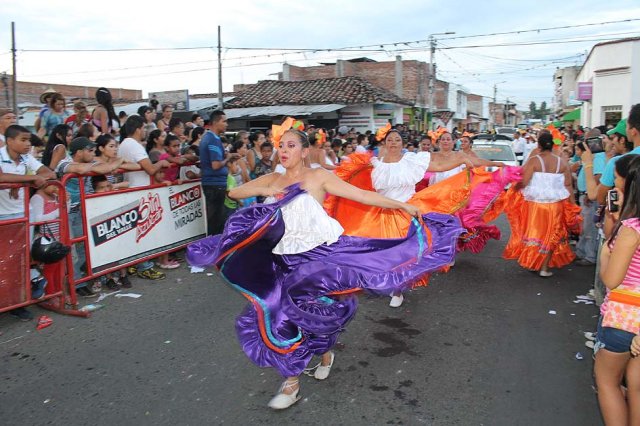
column 306, row 226
column 398, row 180
column 546, row 187
column 440, row 176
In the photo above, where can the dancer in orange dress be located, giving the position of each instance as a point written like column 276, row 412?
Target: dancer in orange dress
column 542, row 212
column 395, row 176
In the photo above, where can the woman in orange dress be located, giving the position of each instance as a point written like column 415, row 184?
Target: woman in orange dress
column 542, row 213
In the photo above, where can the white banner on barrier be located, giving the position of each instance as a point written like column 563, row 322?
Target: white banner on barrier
column 131, row 225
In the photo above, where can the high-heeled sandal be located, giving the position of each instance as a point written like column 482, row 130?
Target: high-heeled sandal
column 322, row 371
column 285, row 400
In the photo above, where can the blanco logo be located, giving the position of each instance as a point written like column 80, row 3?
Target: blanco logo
column 128, row 219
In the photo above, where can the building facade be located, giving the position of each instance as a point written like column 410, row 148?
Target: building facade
column 327, row 102
column 407, row 79
column 609, row 82
column 564, row 93
column 29, row 93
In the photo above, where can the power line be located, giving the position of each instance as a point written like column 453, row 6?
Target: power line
column 564, row 27
column 348, row 48
column 532, row 43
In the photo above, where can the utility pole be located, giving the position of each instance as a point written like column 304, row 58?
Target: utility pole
column 14, row 78
column 495, row 104
column 507, row 122
column 493, row 110
column 220, row 103
column 432, row 71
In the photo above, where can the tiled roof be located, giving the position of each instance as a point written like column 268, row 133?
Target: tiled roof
column 341, row 90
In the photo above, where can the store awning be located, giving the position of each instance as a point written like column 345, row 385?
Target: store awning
column 284, row 110
column 572, row 116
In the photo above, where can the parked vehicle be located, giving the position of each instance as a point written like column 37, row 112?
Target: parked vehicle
column 506, row 130
column 491, row 137
column 496, row 151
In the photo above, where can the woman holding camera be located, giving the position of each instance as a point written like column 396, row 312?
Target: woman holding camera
column 618, row 340
column 542, row 213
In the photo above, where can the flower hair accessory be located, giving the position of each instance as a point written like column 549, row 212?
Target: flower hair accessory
column 436, row 135
column 382, row 132
column 321, row 137
column 288, row 124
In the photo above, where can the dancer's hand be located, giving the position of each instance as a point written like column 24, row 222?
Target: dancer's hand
column 635, row 346
column 468, row 162
column 411, row 209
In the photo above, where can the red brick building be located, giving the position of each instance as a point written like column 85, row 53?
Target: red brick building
column 29, row 93
column 408, row 79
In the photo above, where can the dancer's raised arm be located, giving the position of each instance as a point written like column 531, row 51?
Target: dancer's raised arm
column 334, row 185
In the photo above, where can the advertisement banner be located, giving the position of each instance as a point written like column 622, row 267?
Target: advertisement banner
column 123, row 227
column 179, row 99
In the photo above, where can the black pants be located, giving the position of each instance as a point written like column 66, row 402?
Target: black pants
column 216, row 214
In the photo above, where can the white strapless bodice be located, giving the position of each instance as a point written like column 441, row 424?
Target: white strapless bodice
column 546, row 188
column 398, row 180
column 306, row 226
column 440, row 176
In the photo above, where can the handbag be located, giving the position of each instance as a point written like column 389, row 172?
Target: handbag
column 46, row 248
column 623, row 311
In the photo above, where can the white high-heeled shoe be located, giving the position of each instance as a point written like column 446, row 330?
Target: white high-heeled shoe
column 322, row 372
column 546, row 274
column 396, row 301
column 285, row 400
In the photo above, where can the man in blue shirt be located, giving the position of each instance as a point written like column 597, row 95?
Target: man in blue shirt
column 630, row 130
column 213, row 163
column 587, row 247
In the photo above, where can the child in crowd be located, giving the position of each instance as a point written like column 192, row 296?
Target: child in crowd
column 101, row 184
column 231, row 205
column 172, row 154
column 265, row 166
column 190, row 172
column 160, row 178
column 44, row 207
column 18, row 166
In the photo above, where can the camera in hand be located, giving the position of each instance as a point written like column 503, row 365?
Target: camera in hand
column 594, row 144
column 612, row 197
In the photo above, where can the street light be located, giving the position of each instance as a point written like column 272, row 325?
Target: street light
column 493, row 110
column 432, row 69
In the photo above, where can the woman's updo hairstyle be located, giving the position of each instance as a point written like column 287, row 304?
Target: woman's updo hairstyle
column 545, row 140
column 390, row 132
column 444, row 133
column 302, row 137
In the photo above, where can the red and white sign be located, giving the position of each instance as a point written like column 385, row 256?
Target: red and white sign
column 131, row 225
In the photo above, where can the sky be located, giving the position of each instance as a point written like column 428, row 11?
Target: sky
column 521, row 73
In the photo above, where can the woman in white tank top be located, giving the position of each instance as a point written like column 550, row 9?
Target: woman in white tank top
column 543, row 213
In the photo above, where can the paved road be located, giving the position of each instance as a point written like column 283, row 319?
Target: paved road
column 477, row 347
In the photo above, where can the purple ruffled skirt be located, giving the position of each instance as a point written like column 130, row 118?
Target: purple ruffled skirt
column 299, row 303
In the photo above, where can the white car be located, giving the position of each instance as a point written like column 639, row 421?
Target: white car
column 509, row 131
column 495, row 151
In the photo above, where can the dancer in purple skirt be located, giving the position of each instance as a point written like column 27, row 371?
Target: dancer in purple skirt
column 290, row 260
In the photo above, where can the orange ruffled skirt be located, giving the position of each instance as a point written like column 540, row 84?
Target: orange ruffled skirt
column 360, row 220
column 538, row 229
